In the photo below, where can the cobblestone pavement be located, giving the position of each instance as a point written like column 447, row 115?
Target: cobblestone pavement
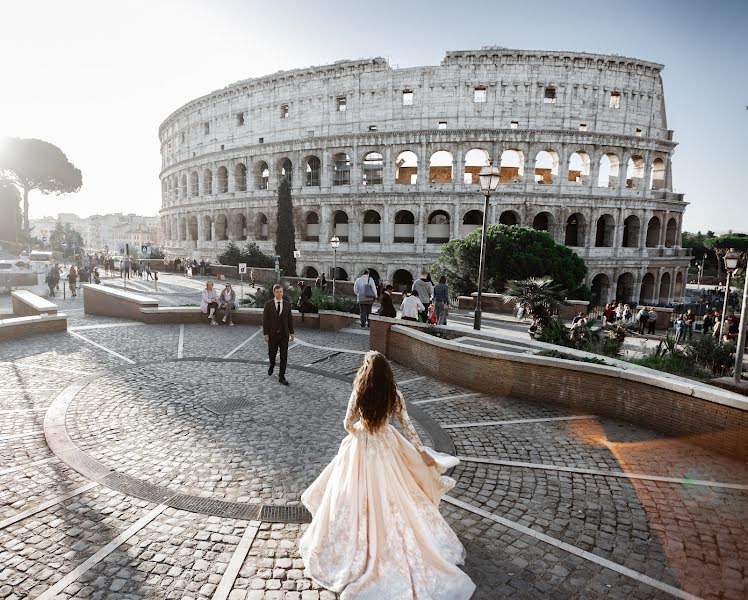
column 540, row 504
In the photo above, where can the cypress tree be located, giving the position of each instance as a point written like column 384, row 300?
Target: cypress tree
column 285, row 236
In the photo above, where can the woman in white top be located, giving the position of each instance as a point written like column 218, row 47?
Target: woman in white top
column 376, row 532
column 209, row 302
column 411, row 307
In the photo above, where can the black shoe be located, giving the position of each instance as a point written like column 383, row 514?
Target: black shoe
column 283, row 381
column 270, row 369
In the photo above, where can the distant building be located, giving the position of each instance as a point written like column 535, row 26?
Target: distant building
column 110, row 231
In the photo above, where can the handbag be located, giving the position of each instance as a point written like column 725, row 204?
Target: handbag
column 368, row 291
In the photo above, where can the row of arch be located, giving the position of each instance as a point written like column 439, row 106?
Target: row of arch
column 407, row 171
column 438, row 228
column 650, row 290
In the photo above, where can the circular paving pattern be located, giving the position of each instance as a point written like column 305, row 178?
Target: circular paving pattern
column 243, row 443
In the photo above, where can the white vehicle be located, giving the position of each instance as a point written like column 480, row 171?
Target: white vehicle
column 17, row 265
column 41, row 260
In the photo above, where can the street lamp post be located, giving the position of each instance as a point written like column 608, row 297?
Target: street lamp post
column 489, row 180
column 740, row 350
column 731, row 259
column 334, row 242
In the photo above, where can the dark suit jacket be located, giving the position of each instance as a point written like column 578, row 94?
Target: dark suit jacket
column 387, row 309
column 276, row 325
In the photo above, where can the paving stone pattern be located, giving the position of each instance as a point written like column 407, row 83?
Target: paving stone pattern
column 225, row 430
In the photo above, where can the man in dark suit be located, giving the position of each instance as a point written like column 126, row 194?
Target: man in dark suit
column 277, row 327
column 387, row 309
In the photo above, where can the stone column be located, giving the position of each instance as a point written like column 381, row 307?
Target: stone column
column 594, row 169
column 325, row 179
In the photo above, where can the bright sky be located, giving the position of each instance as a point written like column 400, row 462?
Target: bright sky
column 97, row 78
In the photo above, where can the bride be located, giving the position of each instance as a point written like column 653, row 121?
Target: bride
column 377, row 533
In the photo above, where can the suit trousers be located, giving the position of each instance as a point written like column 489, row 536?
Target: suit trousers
column 275, row 343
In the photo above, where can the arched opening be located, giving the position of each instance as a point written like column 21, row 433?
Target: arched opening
column 373, row 169
column 176, row 188
column 341, row 169
column 665, row 289
column 579, row 168
column 658, row 174
column 512, row 166
column 625, row 288
column 546, row 167
column 311, row 227
column 170, row 187
column 340, row 225
column 184, row 186
column 472, row 220
column 240, row 177
column 340, row 274
column 374, row 274
column 286, row 171
column 263, row 176
column 372, row 226
column 207, row 232
column 437, row 230
column 648, row 289
column 182, row 229
column 509, row 217
column 407, row 168
column 309, row 273
column 192, row 229
column 475, row 160
column 678, row 291
column 631, row 229
column 671, row 233
column 261, row 224
column 600, row 289
column 635, row 173
column 207, row 182
column 440, row 167
column 653, row 233
column 223, row 180
column 404, row 227
column 194, row 185
column 238, row 227
column 604, row 231
column 402, row 280
column 574, row 235
column 610, row 166
column 542, row 221
column 221, row 227
column 313, row 169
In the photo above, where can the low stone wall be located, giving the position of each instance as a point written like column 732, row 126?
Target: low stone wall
column 26, row 304
column 17, row 327
column 493, row 303
column 706, row 415
column 109, row 302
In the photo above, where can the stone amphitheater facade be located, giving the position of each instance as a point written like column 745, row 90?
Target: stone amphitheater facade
column 387, row 159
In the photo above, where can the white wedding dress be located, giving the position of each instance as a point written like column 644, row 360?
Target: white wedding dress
column 376, row 532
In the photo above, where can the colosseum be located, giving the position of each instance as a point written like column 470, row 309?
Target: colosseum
column 387, row 160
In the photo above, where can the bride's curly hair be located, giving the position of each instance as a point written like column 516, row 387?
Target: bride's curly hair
column 376, row 392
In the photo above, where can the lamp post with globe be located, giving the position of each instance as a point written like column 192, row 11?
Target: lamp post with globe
column 489, row 180
column 334, row 242
column 731, row 259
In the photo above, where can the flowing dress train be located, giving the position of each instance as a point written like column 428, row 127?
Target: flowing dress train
column 376, row 532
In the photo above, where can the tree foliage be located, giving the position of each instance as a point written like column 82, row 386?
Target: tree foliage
column 67, row 235
column 512, row 252
column 34, row 164
column 10, row 200
column 250, row 254
column 285, row 237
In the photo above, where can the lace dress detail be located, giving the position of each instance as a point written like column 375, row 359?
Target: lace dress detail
column 376, row 531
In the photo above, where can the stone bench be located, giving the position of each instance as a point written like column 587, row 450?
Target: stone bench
column 16, row 327
column 26, row 304
column 110, row 302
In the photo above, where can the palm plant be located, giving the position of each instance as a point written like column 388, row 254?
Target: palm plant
column 537, row 297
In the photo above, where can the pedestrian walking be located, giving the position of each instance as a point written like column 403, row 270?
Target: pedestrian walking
column 386, row 308
column 651, row 321
column 366, row 292
column 642, row 319
column 411, row 307
column 424, row 289
column 679, row 325
column 441, row 300
column 73, row 280
column 277, row 329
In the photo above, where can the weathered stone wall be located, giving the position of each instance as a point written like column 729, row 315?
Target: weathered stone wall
column 225, row 153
